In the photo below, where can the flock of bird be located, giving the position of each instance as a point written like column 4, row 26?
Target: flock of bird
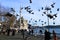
column 30, row 11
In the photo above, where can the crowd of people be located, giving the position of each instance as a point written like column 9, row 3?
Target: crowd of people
column 47, row 34
column 7, row 31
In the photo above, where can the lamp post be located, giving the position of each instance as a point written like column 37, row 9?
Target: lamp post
column 21, row 24
column 20, row 16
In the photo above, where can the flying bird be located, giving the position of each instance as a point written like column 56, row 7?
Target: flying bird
column 55, row 15
column 53, row 22
column 17, row 15
column 30, row 1
column 29, row 21
column 27, row 7
column 50, row 16
column 52, row 5
column 42, row 8
column 31, row 18
column 35, row 21
column 50, row 11
column 42, row 24
column 29, row 11
column 53, row 18
column 44, row 12
column 8, row 14
column 39, row 19
column 32, row 13
column 45, row 22
column 58, row 9
column 47, row 8
column 42, row 15
column 38, row 9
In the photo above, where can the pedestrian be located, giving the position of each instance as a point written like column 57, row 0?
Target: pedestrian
column 8, row 31
column 47, row 35
column 40, row 31
column 13, row 32
column 32, row 31
column 54, row 35
column 29, row 31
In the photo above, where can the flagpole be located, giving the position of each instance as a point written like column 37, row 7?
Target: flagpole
column 20, row 16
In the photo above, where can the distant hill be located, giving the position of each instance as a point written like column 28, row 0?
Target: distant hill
column 52, row 26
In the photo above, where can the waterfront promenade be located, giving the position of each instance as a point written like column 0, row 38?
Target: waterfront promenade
column 18, row 36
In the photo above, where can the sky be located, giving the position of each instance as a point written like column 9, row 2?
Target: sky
column 35, row 5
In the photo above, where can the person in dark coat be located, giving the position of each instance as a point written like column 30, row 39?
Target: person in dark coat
column 40, row 31
column 8, row 31
column 54, row 35
column 47, row 35
column 32, row 31
column 13, row 32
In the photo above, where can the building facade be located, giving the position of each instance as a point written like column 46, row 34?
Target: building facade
column 23, row 24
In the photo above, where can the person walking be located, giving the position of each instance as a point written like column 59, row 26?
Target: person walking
column 8, row 31
column 32, row 31
column 40, row 31
column 13, row 32
column 47, row 35
column 54, row 35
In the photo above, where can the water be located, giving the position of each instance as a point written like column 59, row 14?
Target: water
column 57, row 30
